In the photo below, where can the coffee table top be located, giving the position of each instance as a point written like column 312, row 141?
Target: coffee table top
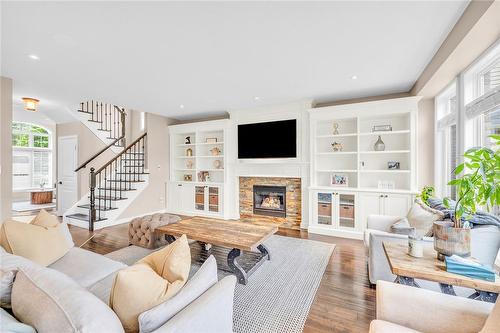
column 232, row 234
column 430, row 268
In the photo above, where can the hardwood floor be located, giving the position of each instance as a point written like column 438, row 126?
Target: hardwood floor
column 345, row 301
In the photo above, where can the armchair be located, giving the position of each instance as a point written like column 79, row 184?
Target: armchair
column 431, row 312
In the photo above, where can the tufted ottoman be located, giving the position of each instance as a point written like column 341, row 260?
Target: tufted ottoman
column 141, row 230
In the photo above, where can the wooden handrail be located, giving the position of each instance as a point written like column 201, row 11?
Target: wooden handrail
column 84, row 164
column 121, row 153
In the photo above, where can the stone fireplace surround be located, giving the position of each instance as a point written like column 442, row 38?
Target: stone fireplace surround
column 293, row 198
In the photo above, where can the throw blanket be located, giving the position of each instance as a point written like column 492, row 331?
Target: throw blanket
column 480, row 218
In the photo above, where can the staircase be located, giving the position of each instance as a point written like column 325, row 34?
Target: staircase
column 113, row 186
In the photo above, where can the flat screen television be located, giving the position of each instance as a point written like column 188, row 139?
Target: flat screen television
column 274, row 139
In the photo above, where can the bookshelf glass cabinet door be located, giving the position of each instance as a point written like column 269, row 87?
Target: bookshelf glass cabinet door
column 207, row 198
column 336, row 209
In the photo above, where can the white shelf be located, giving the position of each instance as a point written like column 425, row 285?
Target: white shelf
column 337, row 170
column 210, row 170
column 335, row 135
column 186, row 145
column 185, row 156
column 211, row 156
column 185, row 169
column 207, row 143
column 385, row 171
column 386, row 152
column 338, row 153
column 385, row 133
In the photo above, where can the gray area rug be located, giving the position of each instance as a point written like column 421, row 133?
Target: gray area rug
column 279, row 294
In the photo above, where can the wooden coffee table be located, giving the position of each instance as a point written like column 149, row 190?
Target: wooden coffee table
column 408, row 268
column 240, row 242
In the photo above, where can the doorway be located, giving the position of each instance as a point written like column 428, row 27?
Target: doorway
column 67, row 182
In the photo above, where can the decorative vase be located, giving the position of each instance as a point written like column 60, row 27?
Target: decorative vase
column 379, row 145
column 189, row 152
column 215, row 151
column 189, row 164
column 217, row 164
column 449, row 240
column 337, row 146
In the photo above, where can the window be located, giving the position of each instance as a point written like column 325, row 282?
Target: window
column 32, row 156
column 473, row 121
column 446, row 139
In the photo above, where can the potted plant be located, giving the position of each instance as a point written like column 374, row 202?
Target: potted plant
column 477, row 185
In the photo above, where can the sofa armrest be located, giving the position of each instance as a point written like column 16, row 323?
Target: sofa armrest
column 378, row 266
column 428, row 311
column 211, row 312
column 381, row 222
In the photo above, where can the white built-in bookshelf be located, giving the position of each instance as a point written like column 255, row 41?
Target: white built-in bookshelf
column 357, row 160
column 198, row 152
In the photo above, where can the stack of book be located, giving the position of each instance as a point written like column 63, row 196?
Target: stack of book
column 469, row 268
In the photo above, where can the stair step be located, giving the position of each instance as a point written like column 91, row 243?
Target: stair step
column 113, row 189
column 135, row 153
column 133, row 166
column 83, row 217
column 95, row 121
column 132, row 159
column 125, row 181
column 103, row 130
column 104, row 208
column 105, row 197
column 84, row 111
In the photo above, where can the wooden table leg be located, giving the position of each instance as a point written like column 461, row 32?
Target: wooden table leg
column 484, row 296
column 240, row 273
column 407, row 281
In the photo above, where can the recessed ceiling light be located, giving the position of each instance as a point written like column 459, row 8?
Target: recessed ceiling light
column 34, row 57
column 181, row 106
column 354, row 77
column 256, row 98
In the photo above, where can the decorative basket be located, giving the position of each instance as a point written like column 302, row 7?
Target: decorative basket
column 449, row 240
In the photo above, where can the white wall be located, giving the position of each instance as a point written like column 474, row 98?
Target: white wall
column 425, row 143
column 5, row 148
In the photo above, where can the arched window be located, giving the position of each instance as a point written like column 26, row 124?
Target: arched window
column 32, row 156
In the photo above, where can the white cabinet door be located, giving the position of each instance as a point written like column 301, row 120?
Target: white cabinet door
column 369, row 203
column 186, row 196
column 396, row 204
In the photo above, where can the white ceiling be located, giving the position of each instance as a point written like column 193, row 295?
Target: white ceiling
column 217, row 56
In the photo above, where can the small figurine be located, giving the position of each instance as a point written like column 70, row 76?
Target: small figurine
column 337, row 146
column 189, row 152
column 335, row 129
column 215, row 151
column 189, row 164
column 188, row 140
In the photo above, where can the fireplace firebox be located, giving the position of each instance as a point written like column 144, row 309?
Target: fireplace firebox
column 269, row 200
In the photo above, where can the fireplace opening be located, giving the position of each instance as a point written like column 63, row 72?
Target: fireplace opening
column 269, row 200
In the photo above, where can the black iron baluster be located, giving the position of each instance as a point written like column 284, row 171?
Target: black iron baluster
column 92, row 200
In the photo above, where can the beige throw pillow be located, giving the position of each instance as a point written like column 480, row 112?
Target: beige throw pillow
column 44, row 219
column 41, row 244
column 149, row 282
column 421, row 217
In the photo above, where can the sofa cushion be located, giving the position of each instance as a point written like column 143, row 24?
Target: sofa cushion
column 381, row 326
column 43, row 245
column 45, row 219
column 51, row 302
column 422, row 218
column 9, row 324
column 201, row 281
column 402, row 227
column 85, row 267
column 149, row 282
column 6, row 282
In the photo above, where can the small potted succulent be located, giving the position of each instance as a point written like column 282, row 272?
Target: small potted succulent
column 477, row 186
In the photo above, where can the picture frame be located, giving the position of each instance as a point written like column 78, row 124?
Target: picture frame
column 211, row 140
column 393, row 165
column 339, row 180
column 382, row 128
column 188, row 178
